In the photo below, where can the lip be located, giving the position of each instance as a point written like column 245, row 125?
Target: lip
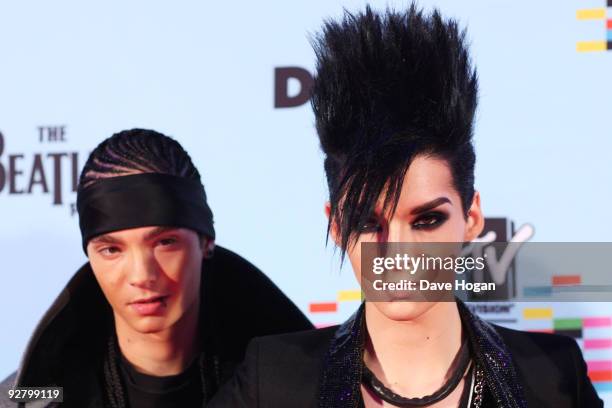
column 154, row 305
column 148, row 299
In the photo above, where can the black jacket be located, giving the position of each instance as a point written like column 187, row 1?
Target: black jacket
column 291, row 370
column 67, row 347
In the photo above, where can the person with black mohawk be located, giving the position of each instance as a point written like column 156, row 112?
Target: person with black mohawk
column 394, row 98
column 160, row 316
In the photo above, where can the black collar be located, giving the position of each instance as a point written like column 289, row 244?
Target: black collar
column 342, row 370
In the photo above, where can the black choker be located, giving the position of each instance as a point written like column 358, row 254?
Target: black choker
column 378, row 388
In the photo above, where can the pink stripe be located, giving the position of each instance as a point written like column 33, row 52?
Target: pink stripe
column 597, row 343
column 596, row 322
column 600, row 365
column 324, row 325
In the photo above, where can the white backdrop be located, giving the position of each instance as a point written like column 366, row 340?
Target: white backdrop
column 203, row 72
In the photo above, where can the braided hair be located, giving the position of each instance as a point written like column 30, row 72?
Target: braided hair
column 137, row 151
column 131, row 152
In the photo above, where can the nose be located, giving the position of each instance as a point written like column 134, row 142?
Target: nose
column 144, row 271
column 398, row 231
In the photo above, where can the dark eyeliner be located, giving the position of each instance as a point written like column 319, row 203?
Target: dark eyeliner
column 439, row 218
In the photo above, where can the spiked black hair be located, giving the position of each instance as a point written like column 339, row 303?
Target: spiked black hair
column 388, row 87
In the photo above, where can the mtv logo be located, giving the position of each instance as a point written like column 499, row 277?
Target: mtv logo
column 499, row 243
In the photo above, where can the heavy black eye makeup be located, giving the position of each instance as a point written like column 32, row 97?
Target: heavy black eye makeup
column 429, row 220
column 426, row 220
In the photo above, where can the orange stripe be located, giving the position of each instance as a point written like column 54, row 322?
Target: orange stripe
column 323, row 307
column 541, row 330
column 566, row 280
column 599, row 376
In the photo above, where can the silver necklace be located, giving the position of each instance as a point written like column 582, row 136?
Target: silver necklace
column 475, row 399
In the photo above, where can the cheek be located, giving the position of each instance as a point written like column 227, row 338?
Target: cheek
column 183, row 272
column 453, row 230
column 109, row 280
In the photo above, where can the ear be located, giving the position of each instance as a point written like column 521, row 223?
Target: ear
column 333, row 229
column 475, row 219
column 208, row 247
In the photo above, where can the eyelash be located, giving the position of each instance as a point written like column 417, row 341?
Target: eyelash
column 105, row 250
column 437, row 217
column 164, row 241
column 173, row 240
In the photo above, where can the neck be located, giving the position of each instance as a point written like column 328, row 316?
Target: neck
column 161, row 353
column 414, row 356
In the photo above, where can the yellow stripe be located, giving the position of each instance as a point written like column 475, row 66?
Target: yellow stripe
column 348, row 295
column 591, row 14
column 587, row 46
column 538, row 313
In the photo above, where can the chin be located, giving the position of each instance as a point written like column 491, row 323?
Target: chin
column 150, row 325
column 402, row 311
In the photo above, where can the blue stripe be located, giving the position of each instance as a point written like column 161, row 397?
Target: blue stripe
column 603, row 386
column 534, row 291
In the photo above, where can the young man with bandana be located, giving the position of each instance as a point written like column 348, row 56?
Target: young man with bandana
column 160, row 315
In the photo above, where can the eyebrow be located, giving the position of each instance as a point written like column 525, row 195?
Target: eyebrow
column 105, row 239
column 429, row 205
column 157, row 231
column 108, row 239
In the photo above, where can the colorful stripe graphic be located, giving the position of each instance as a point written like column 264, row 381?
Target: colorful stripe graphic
column 591, row 14
column 568, row 327
column 349, row 295
column 597, row 322
column 596, row 14
column 530, row 313
column 600, row 376
column 323, row 307
column 537, row 291
column 560, row 280
column 589, row 46
column 332, row 307
column 599, row 365
column 597, row 344
column 599, row 371
column 603, row 387
column 541, row 330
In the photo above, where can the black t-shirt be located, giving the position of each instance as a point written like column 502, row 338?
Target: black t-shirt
column 181, row 390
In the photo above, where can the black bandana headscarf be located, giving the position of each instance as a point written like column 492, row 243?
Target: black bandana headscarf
column 139, row 200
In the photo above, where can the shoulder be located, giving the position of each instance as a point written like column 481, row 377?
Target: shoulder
column 5, row 385
column 542, row 350
column 534, row 338
column 305, row 341
column 278, row 370
column 299, row 353
column 550, row 366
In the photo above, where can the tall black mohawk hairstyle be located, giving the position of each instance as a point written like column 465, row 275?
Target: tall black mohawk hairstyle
column 389, row 86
